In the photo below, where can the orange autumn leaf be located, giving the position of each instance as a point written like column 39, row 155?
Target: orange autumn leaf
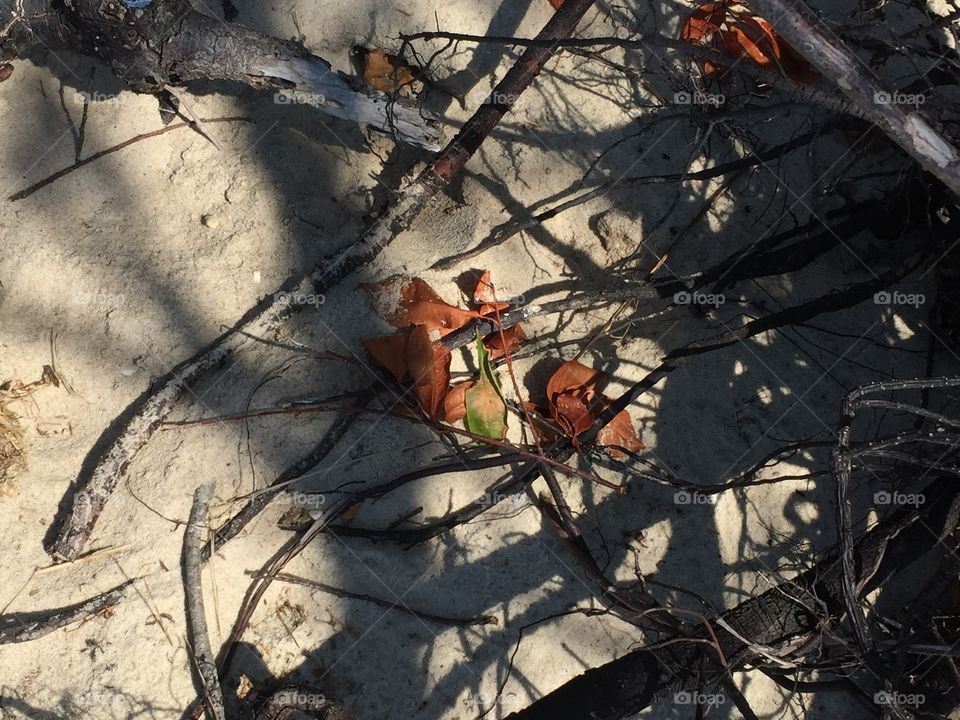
column 541, row 426
column 570, row 393
column 387, row 299
column 573, row 413
column 703, row 22
column 754, row 39
column 575, row 404
column 390, row 352
column 455, row 403
column 620, row 432
column 731, row 28
column 557, row 4
column 439, row 316
column 494, row 342
column 492, row 309
column 419, row 355
column 573, row 378
column 431, row 394
column 403, row 302
column 385, row 72
column 484, row 294
column 429, row 367
column 702, row 27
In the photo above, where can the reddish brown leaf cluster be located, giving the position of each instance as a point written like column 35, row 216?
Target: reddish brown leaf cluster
column 730, row 28
column 421, row 358
column 574, row 404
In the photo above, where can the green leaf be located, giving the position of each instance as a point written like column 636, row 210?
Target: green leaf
column 486, row 409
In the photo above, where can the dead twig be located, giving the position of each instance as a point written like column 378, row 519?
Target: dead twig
column 232, row 527
column 50, row 179
column 422, row 614
column 203, row 658
column 23, row 627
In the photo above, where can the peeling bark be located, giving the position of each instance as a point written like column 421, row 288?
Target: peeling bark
column 170, row 43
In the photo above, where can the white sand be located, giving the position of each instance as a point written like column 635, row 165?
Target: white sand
column 115, row 260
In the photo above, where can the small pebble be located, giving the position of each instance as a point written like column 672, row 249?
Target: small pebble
column 211, row 221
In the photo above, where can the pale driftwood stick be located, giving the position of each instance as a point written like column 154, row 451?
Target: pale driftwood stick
column 193, row 542
column 831, row 57
column 109, row 460
column 170, row 42
column 22, row 627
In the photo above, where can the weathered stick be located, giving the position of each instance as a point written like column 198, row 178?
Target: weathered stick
column 196, row 621
column 22, row 627
column 831, row 57
column 232, row 527
column 109, row 459
column 169, row 43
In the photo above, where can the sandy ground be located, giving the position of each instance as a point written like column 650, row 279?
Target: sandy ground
column 116, row 261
